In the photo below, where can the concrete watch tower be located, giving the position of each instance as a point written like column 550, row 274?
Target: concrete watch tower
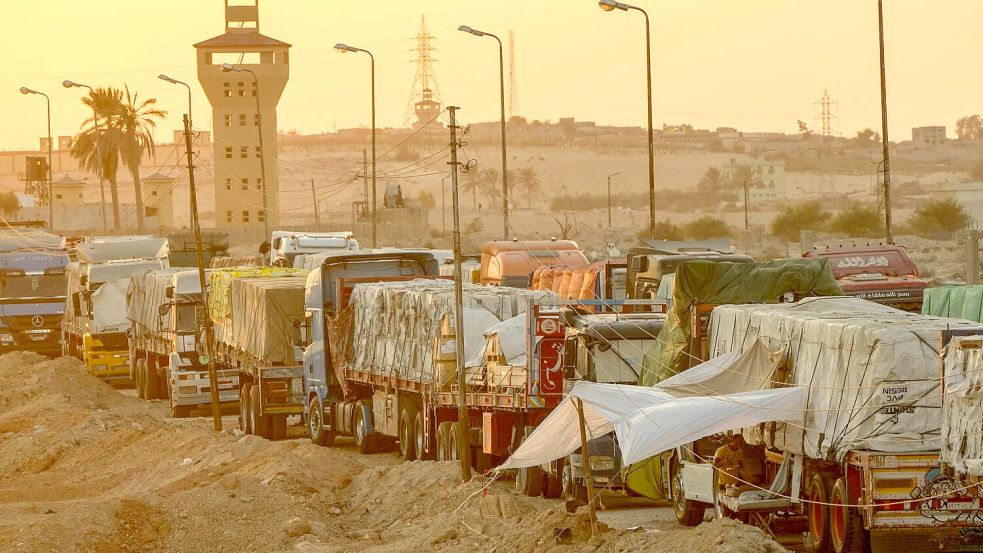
column 238, row 182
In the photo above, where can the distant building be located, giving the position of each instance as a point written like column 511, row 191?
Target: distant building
column 158, row 199
column 239, row 182
column 969, row 195
column 769, row 174
column 928, row 136
column 67, row 192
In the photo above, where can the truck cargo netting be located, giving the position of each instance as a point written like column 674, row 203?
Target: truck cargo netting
column 962, row 406
column 220, row 285
column 266, row 317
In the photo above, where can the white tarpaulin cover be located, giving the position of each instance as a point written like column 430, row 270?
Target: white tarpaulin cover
column 512, row 335
column 962, row 407
column 649, row 421
column 109, row 307
column 872, row 371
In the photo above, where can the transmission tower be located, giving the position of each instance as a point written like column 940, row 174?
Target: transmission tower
column 513, row 79
column 826, row 118
column 424, row 104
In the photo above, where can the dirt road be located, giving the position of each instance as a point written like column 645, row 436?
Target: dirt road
column 84, row 467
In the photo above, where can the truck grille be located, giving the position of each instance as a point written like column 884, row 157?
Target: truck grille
column 21, row 323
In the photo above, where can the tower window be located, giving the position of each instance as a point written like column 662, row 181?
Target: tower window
column 228, row 183
column 228, row 120
column 245, row 183
column 257, row 151
column 245, row 215
column 242, row 91
column 242, row 119
column 261, row 215
column 259, row 184
column 227, row 92
column 243, row 152
column 228, row 216
column 228, row 152
column 256, row 120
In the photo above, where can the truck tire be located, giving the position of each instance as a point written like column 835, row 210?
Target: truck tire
column 846, row 523
column 244, row 415
column 180, row 411
column 164, row 390
column 140, row 368
column 817, row 512
column 529, row 481
column 443, row 440
column 482, row 461
column 688, row 513
column 278, row 427
column 423, row 452
column 151, row 379
column 362, row 441
column 259, row 422
column 315, row 424
column 553, row 480
column 407, row 434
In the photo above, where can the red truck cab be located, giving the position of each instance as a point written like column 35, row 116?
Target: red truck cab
column 876, row 272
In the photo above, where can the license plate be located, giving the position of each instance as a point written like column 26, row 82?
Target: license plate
column 37, row 338
column 227, row 385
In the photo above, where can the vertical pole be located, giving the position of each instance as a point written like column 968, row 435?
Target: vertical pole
column 464, row 449
column 317, row 210
column 51, row 197
column 585, row 455
column 365, row 177
column 972, row 256
column 745, row 206
column 648, row 78
column 505, row 165
column 375, row 237
column 200, row 258
column 262, row 161
column 885, row 143
column 609, row 201
column 443, row 206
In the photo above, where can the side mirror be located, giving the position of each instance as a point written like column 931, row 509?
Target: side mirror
column 569, row 358
column 301, row 331
column 84, row 280
column 169, row 292
column 77, row 303
column 567, row 316
column 164, row 309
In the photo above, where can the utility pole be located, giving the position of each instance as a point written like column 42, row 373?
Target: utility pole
column 746, row 225
column 206, row 316
column 317, row 211
column 365, row 178
column 443, row 206
column 609, row 196
column 888, row 232
column 463, row 447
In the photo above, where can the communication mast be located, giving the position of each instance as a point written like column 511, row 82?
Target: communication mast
column 424, row 104
column 826, row 118
column 513, row 79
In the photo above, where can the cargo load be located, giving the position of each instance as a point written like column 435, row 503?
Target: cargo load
column 960, row 302
column 872, row 372
column 962, row 406
column 146, row 292
column 266, row 314
column 220, row 285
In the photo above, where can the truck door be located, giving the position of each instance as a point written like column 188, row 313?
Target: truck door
column 314, row 356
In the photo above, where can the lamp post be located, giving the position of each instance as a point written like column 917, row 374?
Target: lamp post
column 193, row 215
column 343, row 48
column 609, row 196
column 501, row 89
column 95, row 123
column 51, row 198
column 610, row 5
column 262, row 153
column 885, row 143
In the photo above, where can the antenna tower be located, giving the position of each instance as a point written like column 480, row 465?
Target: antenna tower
column 513, row 79
column 424, row 104
column 826, row 118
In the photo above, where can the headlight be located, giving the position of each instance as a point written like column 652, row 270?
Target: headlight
column 602, row 464
column 7, row 338
column 100, row 367
column 187, row 389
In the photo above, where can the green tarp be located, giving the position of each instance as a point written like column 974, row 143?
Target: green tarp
column 717, row 283
column 958, row 302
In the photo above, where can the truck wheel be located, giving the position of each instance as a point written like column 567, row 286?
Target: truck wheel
column 817, row 512
column 151, row 379
column 315, row 424
column 141, row 378
column 259, row 422
column 688, row 513
column 846, row 523
column 443, row 441
column 553, row 481
column 278, row 427
column 482, row 461
column 244, row 415
column 164, row 390
column 419, row 431
column 180, row 411
column 529, row 481
column 362, row 442
column 407, row 437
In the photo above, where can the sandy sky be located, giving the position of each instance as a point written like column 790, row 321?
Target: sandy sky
column 753, row 64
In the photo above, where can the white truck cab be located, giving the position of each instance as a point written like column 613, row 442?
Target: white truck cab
column 286, row 245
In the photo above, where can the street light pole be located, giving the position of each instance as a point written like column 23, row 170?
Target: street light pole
column 193, row 215
column 609, row 196
column 51, row 198
column 609, row 5
column 342, row 48
column 888, row 223
column 501, row 89
column 101, row 167
column 262, row 151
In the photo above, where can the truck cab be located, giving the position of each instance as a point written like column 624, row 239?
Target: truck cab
column 878, row 273
column 286, row 245
column 512, row 262
column 32, row 300
column 647, row 270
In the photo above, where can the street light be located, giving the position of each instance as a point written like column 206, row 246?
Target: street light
column 609, row 196
column 51, row 198
column 501, row 86
column 262, row 153
column 611, row 5
column 344, row 48
column 99, row 166
column 191, row 126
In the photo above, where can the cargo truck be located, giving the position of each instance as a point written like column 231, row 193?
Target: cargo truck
column 32, row 291
column 286, row 245
column 95, row 328
column 512, row 262
column 257, row 314
column 863, row 471
column 876, row 272
column 182, row 250
column 161, row 305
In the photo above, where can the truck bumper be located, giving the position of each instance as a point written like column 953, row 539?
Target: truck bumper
column 48, row 348
column 111, row 366
column 193, row 387
column 940, row 538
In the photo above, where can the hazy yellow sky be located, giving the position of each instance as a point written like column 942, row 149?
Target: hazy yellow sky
column 753, row 64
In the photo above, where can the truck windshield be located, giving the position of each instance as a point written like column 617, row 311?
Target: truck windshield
column 185, row 318
column 13, row 287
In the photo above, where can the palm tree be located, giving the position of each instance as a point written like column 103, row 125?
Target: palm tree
column 746, row 176
column 710, row 182
column 529, row 179
column 490, row 186
column 96, row 146
column 136, row 123
column 471, row 182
